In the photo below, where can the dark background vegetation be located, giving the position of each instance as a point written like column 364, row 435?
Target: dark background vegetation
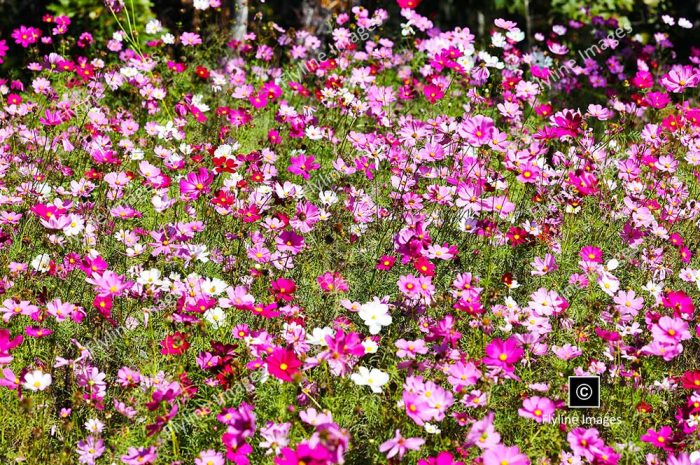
column 532, row 15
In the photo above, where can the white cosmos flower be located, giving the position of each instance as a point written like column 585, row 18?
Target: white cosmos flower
column 317, row 337
column 695, row 457
column 431, row 429
column 153, row 27
column 375, row 315
column 41, row 262
column 151, row 276
column 214, row 286
column 37, row 380
column 684, row 23
column 370, row 346
column 328, row 197
column 75, row 226
column 215, row 316
column 374, row 378
column 612, row 264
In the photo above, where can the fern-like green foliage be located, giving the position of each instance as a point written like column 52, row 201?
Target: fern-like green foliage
column 94, row 16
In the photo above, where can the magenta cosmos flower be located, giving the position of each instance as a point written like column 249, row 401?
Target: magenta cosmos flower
column 283, row 364
column 503, row 354
column 196, row 184
column 26, row 36
column 660, row 439
column 302, row 165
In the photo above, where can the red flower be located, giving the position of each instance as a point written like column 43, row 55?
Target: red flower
column 202, row 72
column 643, row 407
column 516, row 236
column 424, row 267
column 283, row 364
column 691, row 380
column 175, row 344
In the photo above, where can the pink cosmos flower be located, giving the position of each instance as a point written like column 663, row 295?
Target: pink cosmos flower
column 443, row 458
column 3, row 50
column 477, row 130
column 190, row 39
column 398, row 445
column 51, row 118
column 109, row 283
column 537, row 408
column 679, row 79
column 502, row 455
column 332, row 281
column 483, row 434
column 386, row 263
column 283, row 289
column 585, row 442
column 590, row 253
column 140, row 456
column 8, row 343
column 11, row 307
column 670, row 330
column 586, row 183
column 410, row 349
column 543, row 266
column 209, row 457
column 433, row 93
column 681, row 303
column 463, row 374
column 304, row 453
column 9, row 379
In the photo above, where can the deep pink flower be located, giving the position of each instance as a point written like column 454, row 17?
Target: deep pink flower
column 660, row 439
column 433, row 93
column 679, row 302
column 283, row 364
column 26, row 36
column 590, row 253
column 317, row 455
column 302, row 165
column 386, row 263
column 283, row 289
column 196, row 184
